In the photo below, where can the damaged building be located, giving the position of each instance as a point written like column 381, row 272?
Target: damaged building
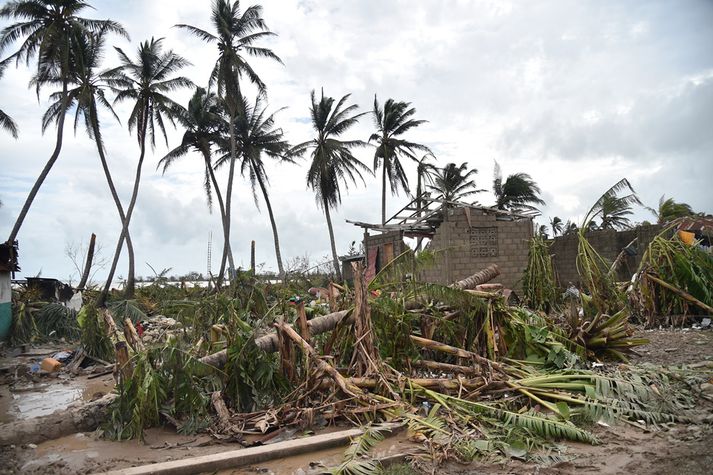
column 463, row 237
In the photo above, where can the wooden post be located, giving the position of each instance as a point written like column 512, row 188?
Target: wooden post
column 302, row 321
column 252, row 256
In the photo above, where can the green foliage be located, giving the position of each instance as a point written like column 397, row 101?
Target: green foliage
column 56, row 321
column 595, row 276
column 355, row 461
column 538, row 281
column 94, row 338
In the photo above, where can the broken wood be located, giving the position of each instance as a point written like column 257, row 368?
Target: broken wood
column 445, row 367
column 481, row 277
column 365, row 354
column 216, row 399
column 132, row 337
column 88, row 263
column 684, row 295
column 82, row 418
column 343, row 384
column 302, row 321
column 442, row 347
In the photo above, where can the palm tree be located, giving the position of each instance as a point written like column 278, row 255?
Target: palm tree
column 669, row 209
column 570, row 228
column 425, row 174
column 6, row 121
column 256, row 134
column 51, row 30
column 556, row 226
column 202, row 121
column 517, row 193
column 146, row 81
column 612, row 208
column 454, row 183
column 86, row 95
column 392, row 121
column 332, row 159
column 235, row 34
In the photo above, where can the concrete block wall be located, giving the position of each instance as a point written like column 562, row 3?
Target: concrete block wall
column 455, row 259
column 608, row 243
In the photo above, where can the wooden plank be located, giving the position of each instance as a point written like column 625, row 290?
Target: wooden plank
column 242, row 457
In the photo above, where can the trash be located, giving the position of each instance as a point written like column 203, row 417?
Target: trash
column 50, row 365
column 62, row 356
column 705, row 323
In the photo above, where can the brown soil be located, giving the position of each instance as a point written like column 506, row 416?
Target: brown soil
column 677, row 448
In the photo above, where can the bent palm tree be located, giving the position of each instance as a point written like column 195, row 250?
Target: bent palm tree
column 556, row 226
column 669, row 209
column 425, row 174
column 255, row 133
column 455, row 183
column 202, row 121
column 85, row 96
column 235, row 35
column 146, row 81
column 51, row 30
column 517, row 193
column 392, row 121
column 332, row 160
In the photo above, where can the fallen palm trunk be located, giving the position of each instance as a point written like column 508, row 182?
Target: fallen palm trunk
column 684, row 295
column 442, row 347
column 445, row 367
column 270, row 343
column 481, row 277
column 83, row 418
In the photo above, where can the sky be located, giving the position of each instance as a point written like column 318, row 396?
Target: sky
column 577, row 94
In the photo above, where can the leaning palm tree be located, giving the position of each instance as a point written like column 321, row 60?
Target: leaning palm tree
column 236, row 32
column 612, row 208
column 392, row 121
column 669, row 209
column 556, row 226
column 333, row 163
column 145, row 80
column 518, row 193
column 85, row 96
column 51, row 30
column 455, row 183
column 6, row 121
column 202, row 122
column 256, row 134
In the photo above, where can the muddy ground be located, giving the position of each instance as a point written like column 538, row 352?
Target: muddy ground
column 681, row 449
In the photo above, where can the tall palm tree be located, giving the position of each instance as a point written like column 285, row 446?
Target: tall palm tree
column 202, row 121
column 236, row 32
column 669, row 209
column 455, row 182
column 145, row 80
column 518, row 193
column 86, row 95
column 332, row 160
column 6, row 121
column 256, row 135
column 392, row 121
column 556, row 226
column 51, row 30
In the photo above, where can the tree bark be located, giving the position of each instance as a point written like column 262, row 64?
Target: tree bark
column 45, row 171
column 480, row 277
column 125, row 225
column 276, row 238
column 335, row 259
column 83, row 418
column 229, row 198
column 383, row 191
column 221, row 206
column 88, row 263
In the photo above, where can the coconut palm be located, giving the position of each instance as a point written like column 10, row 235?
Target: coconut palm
column 146, row 81
column 86, row 95
column 236, row 32
column 392, row 121
column 570, row 228
column 202, row 122
column 455, row 182
column 517, row 193
column 6, row 121
column 669, row 209
column 425, row 174
column 51, row 30
column 556, row 226
column 256, row 135
column 612, row 208
column 332, row 163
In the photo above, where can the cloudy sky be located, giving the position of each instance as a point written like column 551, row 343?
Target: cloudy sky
column 576, row 93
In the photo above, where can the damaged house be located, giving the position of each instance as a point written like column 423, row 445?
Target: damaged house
column 464, row 238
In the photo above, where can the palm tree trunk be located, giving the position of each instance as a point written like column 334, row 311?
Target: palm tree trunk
column 383, row 192
column 278, row 254
column 221, row 206
column 335, row 258
column 110, row 182
column 45, row 171
column 125, row 225
column 228, row 200
column 419, row 242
